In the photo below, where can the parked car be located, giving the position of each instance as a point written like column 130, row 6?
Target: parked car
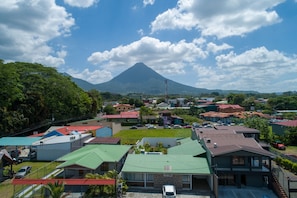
column 22, row 172
column 133, row 127
column 151, row 126
column 167, row 127
column 168, row 191
column 177, row 126
column 278, row 145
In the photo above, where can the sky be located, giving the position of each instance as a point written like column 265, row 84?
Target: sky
column 243, row 45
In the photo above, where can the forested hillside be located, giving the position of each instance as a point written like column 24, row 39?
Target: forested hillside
column 32, row 94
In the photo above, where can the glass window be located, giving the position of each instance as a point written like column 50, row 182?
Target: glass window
column 150, row 177
column 237, row 160
column 186, row 178
column 255, row 162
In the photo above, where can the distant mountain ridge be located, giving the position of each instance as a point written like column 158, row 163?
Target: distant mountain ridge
column 142, row 79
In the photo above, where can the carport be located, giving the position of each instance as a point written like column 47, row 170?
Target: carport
column 12, row 144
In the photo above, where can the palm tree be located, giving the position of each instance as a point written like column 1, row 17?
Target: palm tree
column 55, row 190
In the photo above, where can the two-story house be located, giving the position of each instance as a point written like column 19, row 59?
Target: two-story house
column 235, row 157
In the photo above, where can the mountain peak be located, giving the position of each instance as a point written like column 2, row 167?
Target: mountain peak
column 137, row 73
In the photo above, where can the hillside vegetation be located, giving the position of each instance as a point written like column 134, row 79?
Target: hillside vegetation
column 33, row 94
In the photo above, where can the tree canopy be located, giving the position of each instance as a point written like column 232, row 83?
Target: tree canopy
column 31, row 94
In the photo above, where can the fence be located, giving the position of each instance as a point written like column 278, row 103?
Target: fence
column 46, row 171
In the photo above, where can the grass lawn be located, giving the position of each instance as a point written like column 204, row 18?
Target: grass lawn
column 39, row 169
column 290, row 150
column 131, row 136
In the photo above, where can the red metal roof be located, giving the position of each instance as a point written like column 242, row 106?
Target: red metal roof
column 64, row 181
column 289, row 123
column 81, row 129
column 127, row 114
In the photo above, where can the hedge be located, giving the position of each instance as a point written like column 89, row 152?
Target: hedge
column 286, row 164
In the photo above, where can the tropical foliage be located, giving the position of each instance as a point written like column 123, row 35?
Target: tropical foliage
column 55, row 190
column 32, row 94
column 105, row 190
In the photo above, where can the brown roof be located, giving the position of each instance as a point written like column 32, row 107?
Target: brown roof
column 104, row 140
column 224, row 141
column 226, row 129
column 241, row 114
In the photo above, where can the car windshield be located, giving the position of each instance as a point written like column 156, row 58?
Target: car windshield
column 21, row 170
column 169, row 193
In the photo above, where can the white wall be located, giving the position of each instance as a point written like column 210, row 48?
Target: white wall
column 50, row 152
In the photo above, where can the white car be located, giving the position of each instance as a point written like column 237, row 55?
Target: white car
column 169, row 191
column 151, row 126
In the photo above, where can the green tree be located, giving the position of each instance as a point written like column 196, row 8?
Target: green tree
column 56, row 190
column 260, row 124
column 32, row 94
column 109, row 109
column 235, row 98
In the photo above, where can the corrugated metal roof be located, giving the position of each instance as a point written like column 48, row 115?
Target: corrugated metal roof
column 171, row 164
column 64, row 181
column 91, row 156
column 18, row 141
column 190, row 147
column 60, row 139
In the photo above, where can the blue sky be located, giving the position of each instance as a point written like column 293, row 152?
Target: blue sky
column 213, row 44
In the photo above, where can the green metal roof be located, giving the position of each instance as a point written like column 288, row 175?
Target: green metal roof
column 92, row 156
column 187, row 147
column 171, row 164
column 18, row 141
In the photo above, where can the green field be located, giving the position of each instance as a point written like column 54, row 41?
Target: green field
column 131, row 136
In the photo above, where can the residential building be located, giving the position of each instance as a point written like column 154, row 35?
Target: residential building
column 235, row 156
column 123, row 107
column 94, row 158
column 53, row 147
column 184, row 166
column 279, row 128
column 126, row 118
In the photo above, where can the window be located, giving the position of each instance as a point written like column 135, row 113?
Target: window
column 104, row 167
column 150, row 177
column 186, row 178
column 255, row 162
column 237, row 160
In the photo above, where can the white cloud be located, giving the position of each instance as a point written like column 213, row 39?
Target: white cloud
column 27, row 27
column 95, row 77
column 218, row 18
column 148, row 2
column 81, row 3
column 257, row 69
column 163, row 57
column 214, row 48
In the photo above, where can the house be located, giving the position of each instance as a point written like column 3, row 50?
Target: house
column 5, row 159
column 279, row 128
column 18, row 146
column 153, row 171
column 235, row 159
column 184, row 166
column 123, row 107
column 227, row 118
column 95, row 158
column 125, row 118
column 53, row 147
column 229, row 108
